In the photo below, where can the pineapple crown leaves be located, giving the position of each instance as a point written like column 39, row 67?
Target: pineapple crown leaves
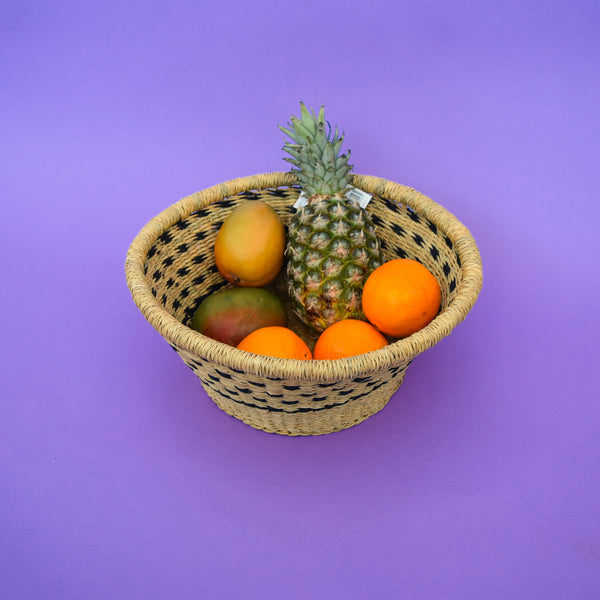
column 315, row 152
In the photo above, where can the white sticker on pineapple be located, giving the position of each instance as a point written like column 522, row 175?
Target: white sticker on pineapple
column 362, row 198
column 359, row 196
column 301, row 201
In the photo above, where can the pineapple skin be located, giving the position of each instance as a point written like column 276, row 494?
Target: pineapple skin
column 332, row 248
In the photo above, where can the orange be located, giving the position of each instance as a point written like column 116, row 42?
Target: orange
column 348, row 338
column 276, row 341
column 401, row 297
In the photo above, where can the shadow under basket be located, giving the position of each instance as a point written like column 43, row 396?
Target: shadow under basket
column 170, row 269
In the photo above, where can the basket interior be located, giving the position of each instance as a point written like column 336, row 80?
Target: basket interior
column 180, row 267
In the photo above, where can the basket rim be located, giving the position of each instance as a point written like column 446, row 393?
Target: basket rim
column 401, row 351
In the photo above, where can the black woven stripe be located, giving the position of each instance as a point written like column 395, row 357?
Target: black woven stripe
column 224, row 395
column 249, row 195
column 413, row 215
column 215, row 287
column 393, row 206
column 418, row 240
column 202, row 213
column 397, row 370
column 372, row 384
column 227, row 202
column 222, row 374
column 377, row 221
column 281, row 410
column 257, row 384
column 230, row 395
column 398, row 229
column 188, row 315
column 279, row 193
column 330, row 384
column 359, row 396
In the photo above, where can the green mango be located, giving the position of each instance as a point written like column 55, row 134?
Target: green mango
column 230, row 315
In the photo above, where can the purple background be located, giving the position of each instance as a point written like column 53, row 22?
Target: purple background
column 119, row 478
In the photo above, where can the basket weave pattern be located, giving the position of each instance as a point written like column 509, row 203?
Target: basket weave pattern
column 170, row 269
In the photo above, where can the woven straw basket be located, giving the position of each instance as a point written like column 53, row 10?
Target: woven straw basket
column 170, row 269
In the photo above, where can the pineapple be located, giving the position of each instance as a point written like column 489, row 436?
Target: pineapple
column 332, row 243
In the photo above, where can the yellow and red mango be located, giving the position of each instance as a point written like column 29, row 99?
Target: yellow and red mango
column 230, row 315
column 250, row 245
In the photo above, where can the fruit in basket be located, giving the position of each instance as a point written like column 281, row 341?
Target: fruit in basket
column 230, row 315
column 249, row 248
column 400, row 297
column 349, row 337
column 276, row 341
column 332, row 243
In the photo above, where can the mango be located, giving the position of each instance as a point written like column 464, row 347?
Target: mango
column 250, row 245
column 230, row 315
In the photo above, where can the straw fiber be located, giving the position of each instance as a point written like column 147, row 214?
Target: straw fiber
column 170, row 269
